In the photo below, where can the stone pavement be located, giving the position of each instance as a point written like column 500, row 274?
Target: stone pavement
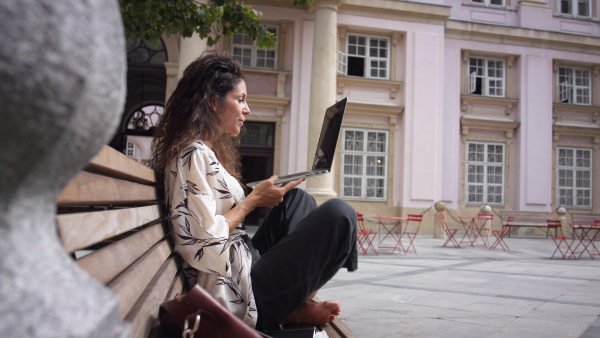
column 470, row 292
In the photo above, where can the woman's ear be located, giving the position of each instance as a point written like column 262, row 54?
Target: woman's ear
column 215, row 104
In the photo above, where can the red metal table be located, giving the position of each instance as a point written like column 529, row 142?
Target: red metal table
column 584, row 234
column 392, row 229
column 474, row 225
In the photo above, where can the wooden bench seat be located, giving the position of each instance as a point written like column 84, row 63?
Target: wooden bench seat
column 584, row 218
column 519, row 224
column 526, row 219
column 111, row 219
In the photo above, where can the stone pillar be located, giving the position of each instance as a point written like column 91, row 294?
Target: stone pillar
column 172, row 70
column 62, row 90
column 486, row 209
column 191, row 48
column 438, row 232
column 562, row 217
column 322, row 89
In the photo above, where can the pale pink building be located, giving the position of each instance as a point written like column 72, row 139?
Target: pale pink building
column 469, row 102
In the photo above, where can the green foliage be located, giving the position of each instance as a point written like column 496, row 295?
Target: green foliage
column 149, row 19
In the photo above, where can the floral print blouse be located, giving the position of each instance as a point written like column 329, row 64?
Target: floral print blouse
column 198, row 192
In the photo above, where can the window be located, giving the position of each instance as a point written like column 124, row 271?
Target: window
column 143, row 120
column 365, row 157
column 140, row 51
column 258, row 134
column 365, row 56
column 574, row 177
column 491, row 3
column 130, row 149
column 575, row 8
column 486, row 77
column 485, row 173
column 248, row 54
column 574, row 85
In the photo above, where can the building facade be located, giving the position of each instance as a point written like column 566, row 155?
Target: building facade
column 470, row 103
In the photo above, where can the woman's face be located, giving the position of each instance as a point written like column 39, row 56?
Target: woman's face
column 234, row 110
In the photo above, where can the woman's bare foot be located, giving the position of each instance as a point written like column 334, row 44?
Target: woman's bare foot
column 311, row 312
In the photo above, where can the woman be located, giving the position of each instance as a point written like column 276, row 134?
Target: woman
column 270, row 279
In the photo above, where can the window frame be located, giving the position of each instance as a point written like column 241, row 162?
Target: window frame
column 363, row 176
column 574, row 9
column 345, row 57
column 573, row 169
column 486, row 80
column 130, row 149
column 254, row 49
column 485, row 174
column 487, row 3
column 568, row 92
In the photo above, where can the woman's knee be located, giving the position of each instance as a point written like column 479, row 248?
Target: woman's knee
column 339, row 209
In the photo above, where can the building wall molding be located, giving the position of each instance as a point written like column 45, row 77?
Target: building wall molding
column 397, row 10
column 470, row 31
column 393, row 87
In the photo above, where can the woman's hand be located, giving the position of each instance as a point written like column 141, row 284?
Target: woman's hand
column 265, row 194
column 268, row 194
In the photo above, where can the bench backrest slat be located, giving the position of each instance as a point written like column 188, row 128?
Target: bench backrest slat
column 114, row 164
column 131, row 283
column 526, row 216
column 581, row 217
column 81, row 230
column 93, row 189
column 108, row 262
column 166, row 285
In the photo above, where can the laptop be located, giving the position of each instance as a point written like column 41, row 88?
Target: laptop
column 332, row 124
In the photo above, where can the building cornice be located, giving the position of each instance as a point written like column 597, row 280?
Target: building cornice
column 391, row 112
column 382, row 9
column 277, row 103
column 507, row 127
column 464, row 30
column 406, row 11
column 393, row 87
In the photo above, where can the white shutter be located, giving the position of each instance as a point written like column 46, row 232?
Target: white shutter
column 342, row 64
column 563, row 92
column 472, row 83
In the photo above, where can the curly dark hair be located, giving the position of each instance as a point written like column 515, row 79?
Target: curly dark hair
column 189, row 115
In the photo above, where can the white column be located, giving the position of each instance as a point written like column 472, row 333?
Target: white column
column 172, row 70
column 191, row 49
column 322, row 89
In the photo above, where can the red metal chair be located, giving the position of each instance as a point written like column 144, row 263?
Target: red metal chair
column 449, row 233
column 410, row 231
column 500, row 234
column 560, row 239
column 364, row 237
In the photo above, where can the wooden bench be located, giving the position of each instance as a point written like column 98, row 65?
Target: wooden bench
column 525, row 219
column 111, row 219
column 584, row 218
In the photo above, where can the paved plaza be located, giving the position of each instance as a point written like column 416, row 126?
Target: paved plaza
column 470, row 292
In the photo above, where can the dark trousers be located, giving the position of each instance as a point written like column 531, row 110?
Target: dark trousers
column 301, row 247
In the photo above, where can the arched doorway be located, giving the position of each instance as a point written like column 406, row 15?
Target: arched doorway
column 139, row 132
column 146, row 84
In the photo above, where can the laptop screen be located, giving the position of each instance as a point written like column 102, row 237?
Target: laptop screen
column 330, row 131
